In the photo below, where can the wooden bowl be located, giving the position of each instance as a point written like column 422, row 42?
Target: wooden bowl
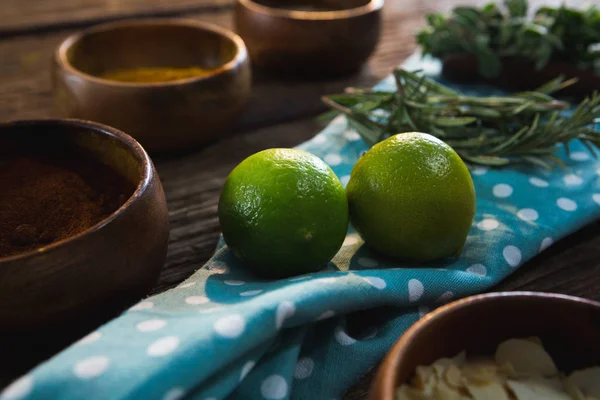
column 309, row 37
column 71, row 286
column 165, row 115
column 568, row 326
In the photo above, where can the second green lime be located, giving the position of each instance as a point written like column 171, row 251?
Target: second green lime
column 283, row 212
column 412, row 197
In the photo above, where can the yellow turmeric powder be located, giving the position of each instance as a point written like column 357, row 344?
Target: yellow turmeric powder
column 154, row 74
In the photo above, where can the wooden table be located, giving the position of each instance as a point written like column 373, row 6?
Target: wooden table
column 279, row 115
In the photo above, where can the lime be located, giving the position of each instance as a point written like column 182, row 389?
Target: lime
column 283, row 212
column 411, row 197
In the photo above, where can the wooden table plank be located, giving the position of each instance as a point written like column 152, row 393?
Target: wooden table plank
column 18, row 16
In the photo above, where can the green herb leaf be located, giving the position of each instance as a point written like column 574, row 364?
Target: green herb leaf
column 526, row 127
column 491, row 34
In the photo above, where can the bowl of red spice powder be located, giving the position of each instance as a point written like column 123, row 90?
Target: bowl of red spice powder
column 83, row 229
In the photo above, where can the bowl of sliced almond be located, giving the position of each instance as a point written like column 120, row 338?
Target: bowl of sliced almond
column 498, row 346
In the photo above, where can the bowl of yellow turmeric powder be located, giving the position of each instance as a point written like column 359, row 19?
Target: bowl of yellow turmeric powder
column 170, row 83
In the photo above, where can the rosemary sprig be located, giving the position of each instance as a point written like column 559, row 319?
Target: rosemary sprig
column 525, row 127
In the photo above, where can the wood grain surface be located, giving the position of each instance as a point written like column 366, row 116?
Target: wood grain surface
column 281, row 114
column 21, row 17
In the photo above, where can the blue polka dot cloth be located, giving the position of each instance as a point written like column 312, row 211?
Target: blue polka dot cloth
column 224, row 334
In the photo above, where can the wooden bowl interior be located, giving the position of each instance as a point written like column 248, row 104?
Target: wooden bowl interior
column 67, row 139
column 150, row 45
column 568, row 329
column 314, row 5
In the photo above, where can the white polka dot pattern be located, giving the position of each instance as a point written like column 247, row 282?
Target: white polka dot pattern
column 246, row 369
column 580, row 156
column 174, row 394
column 376, row 282
column 90, row 338
column 479, row 171
column 163, row 347
column 502, row 190
column 415, row 290
column 333, row 159
column 231, row 326
column 572, row 179
column 342, row 337
column 274, row 387
column 538, row 182
column 512, row 255
column 528, row 214
column 234, row 282
column 144, row 305
column 91, row 367
column 196, row 300
column 151, row 325
column 488, row 224
column 304, row 368
column 251, row 293
column 547, row 242
column 284, row 311
column 351, row 135
column 326, row 315
column 566, row 204
column 477, row 269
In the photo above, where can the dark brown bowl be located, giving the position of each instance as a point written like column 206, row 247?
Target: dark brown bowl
column 71, row 286
column 568, row 326
column 161, row 116
column 307, row 42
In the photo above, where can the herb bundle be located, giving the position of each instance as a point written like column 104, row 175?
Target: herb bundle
column 524, row 127
column 491, row 34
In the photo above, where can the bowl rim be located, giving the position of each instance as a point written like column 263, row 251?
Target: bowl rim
column 371, row 6
column 130, row 143
column 240, row 57
column 385, row 381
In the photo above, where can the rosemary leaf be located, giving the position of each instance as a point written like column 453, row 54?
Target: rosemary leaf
column 521, row 128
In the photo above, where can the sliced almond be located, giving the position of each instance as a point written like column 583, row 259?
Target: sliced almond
column 425, row 379
column 453, row 377
column 480, row 371
column 423, row 376
column 440, row 366
column 443, row 391
column 537, row 389
column 410, row 393
column 535, row 339
column 488, row 391
column 587, row 380
column 508, row 370
column 573, row 390
column 526, row 357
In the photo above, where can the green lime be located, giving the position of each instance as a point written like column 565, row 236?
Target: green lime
column 283, row 212
column 412, row 197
